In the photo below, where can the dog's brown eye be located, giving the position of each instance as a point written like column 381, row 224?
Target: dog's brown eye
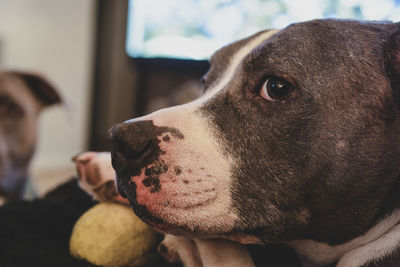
column 10, row 109
column 15, row 112
column 274, row 89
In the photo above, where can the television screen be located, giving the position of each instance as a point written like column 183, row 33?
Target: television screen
column 194, row 29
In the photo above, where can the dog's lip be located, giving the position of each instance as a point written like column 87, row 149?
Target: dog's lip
column 168, row 228
column 165, row 226
column 160, row 223
column 118, row 177
column 125, row 167
column 119, row 165
column 189, row 207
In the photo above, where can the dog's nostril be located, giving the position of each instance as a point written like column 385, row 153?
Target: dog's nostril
column 123, row 194
column 162, row 249
column 138, row 151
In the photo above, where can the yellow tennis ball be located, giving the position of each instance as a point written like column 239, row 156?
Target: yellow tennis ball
column 112, row 235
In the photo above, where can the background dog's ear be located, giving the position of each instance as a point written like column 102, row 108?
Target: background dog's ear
column 42, row 89
column 392, row 62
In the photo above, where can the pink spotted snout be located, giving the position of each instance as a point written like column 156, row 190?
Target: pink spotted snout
column 171, row 174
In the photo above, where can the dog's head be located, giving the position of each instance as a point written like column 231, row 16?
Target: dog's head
column 22, row 97
column 295, row 136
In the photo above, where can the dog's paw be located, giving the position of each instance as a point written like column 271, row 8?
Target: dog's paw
column 175, row 249
column 96, row 176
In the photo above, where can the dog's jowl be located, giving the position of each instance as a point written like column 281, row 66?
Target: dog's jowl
column 296, row 139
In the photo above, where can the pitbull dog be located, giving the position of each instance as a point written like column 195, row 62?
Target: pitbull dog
column 22, row 98
column 296, row 139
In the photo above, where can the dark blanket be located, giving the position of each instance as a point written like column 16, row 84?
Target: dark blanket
column 36, row 233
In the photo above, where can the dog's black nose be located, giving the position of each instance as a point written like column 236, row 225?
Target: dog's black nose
column 134, row 145
column 130, row 139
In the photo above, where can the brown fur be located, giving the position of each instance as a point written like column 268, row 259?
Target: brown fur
column 22, row 98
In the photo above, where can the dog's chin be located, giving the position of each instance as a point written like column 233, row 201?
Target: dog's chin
column 239, row 237
column 176, row 220
column 185, row 220
column 203, row 219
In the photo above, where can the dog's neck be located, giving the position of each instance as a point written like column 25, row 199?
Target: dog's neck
column 380, row 240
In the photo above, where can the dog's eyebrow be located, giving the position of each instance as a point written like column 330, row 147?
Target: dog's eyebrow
column 223, row 54
column 218, row 63
column 220, row 60
column 228, row 57
column 213, row 57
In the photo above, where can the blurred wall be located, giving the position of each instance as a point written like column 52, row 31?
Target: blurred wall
column 55, row 38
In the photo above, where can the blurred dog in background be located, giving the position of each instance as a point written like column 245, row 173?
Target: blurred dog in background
column 22, row 98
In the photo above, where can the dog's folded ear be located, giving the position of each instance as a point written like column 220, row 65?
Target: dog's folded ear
column 392, row 61
column 41, row 88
